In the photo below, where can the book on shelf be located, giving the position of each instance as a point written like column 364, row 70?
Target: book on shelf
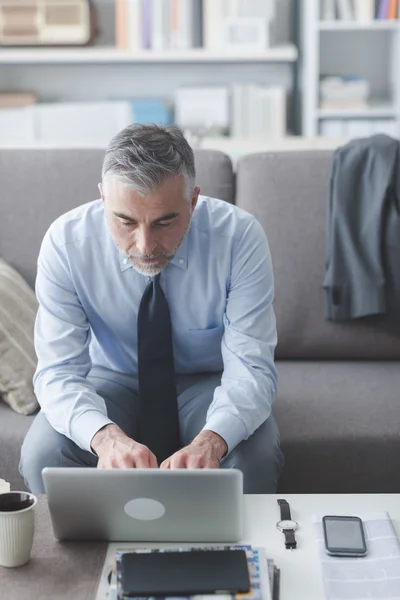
column 327, row 10
column 341, row 91
column 361, row 11
column 387, row 9
column 17, row 99
column 345, row 10
column 364, row 10
column 356, row 128
column 382, row 9
column 344, row 104
column 158, row 24
column 393, row 10
column 79, row 122
column 258, row 111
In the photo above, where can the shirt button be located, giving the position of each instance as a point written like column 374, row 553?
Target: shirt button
column 181, row 261
column 125, row 261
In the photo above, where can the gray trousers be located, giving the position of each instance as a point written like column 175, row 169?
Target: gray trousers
column 259, row 457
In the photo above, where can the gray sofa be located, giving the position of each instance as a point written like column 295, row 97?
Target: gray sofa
column 338, row 404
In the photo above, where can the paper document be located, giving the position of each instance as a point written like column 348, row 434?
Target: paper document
column 376, row 575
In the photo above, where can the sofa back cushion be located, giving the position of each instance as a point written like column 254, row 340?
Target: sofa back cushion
column 288, row 192
column 38, row 185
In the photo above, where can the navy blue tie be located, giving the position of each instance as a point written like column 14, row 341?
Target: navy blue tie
column 158, row 414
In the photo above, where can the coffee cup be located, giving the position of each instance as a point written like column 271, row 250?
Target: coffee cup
column 16, row 528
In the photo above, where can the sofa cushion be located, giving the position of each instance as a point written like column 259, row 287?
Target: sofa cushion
column 39, row 184
column 288, row 193
column 339, row 425
column 18, row 307
column 13, row 428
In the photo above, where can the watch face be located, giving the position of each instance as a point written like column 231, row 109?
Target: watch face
column 287, row 524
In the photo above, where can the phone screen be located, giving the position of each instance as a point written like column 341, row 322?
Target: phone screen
column 344, row 535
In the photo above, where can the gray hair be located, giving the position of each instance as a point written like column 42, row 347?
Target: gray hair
column 144, row 156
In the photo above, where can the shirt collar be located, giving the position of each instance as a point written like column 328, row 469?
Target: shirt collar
column 180, row 259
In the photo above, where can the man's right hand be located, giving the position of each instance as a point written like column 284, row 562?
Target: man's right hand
column 118, row 451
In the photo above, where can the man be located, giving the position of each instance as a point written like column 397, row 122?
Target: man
column 155, row 332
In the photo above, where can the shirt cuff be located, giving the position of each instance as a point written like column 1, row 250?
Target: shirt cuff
column 86, row 426
column 229, row 427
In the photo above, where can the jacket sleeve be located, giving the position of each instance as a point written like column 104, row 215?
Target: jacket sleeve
column 362, row 175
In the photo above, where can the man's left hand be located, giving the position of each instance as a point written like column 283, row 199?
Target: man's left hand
column 204, row 452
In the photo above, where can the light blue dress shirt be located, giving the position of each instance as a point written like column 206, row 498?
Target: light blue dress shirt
column 219, row 288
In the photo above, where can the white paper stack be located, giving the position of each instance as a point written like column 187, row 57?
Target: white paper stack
column 337, row 91
column 376, row 575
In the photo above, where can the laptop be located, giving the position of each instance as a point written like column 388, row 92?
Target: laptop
column 145, row 505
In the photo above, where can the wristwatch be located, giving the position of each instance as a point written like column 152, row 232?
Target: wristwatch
column 287, row 525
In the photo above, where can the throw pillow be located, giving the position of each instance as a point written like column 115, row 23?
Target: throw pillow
column 18, row 307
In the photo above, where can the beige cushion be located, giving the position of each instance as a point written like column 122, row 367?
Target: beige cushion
column 18, row 307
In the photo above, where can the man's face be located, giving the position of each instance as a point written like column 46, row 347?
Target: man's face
column 148, row 229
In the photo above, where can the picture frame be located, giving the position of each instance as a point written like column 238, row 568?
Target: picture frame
column 245, row 33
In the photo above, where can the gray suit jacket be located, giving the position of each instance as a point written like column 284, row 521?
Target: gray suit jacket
column 362, row 275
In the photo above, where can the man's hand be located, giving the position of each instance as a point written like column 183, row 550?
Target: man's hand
column 205, row 452
column 117, row 450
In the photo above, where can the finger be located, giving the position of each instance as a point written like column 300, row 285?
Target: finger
column 165, row 464
column 178, row 461
column 143, row 458
column 153, row 461
column 196, row 462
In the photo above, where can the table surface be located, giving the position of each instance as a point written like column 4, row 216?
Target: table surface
column 57, row 570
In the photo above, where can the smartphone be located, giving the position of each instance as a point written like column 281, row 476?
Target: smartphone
column 344, row 536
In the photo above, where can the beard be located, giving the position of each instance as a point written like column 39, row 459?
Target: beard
column 154, row 268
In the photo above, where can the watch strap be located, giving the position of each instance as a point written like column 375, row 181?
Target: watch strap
column 290, row 541
column 285, row 510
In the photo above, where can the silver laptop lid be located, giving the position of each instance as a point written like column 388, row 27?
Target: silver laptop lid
column 142, row 505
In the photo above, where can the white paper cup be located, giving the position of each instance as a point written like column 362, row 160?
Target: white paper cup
column 16, row 528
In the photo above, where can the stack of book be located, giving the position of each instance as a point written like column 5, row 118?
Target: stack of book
column 264, row 575
column 76, row 123
column 258, row 111
column 360, row 10
column 158, row 24
column 343, row 92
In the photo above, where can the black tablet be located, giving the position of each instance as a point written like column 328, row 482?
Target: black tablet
column 184, row 573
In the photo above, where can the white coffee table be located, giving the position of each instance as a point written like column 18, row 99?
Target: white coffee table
column 300, row 569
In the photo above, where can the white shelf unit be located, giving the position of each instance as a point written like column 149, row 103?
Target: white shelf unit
column 99, row 55
column 368, row 49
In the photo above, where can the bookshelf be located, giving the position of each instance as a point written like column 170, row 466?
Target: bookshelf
column 106, row 72
column 368, row 49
